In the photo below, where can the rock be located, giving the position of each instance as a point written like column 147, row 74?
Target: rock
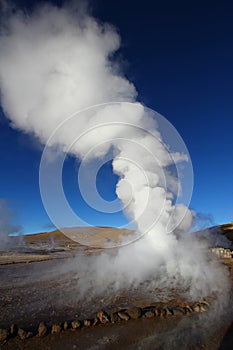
column 205, row 303
column 56, row 328
column 123, row 315
column 149, row 314
column 24, row 334
column 168, row 311
column 65, row 325
column 165, row 312
column 114, row 317
column 134, row 312
column 203, row 307
column 196, row 308
column 160, row 312
column 13, row 329
column 102, row 316
column 42, row 329
column 75, row 324
column 3, row 334
column 187, row 309
column 95, row 321
column 87, row 323
column 177, row 311
column 200, row 307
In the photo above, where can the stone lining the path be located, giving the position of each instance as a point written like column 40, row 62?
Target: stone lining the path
column 103, row 317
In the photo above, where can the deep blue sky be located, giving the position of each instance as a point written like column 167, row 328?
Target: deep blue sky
column 179, row 55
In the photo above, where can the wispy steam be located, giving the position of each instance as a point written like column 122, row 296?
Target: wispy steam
column 56, row 62
column 203, row 220
column 6, row 225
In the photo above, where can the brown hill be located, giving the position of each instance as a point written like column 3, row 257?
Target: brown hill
column 225, row 230
column 98, row 237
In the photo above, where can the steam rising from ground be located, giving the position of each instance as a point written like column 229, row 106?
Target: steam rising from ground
column 56, row 62
column 6, row 225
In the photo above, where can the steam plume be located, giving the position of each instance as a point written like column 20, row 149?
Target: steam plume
column 6, row 225
column 56, row 62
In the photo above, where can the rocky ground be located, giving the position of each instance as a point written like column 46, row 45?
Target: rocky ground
column 32, row 291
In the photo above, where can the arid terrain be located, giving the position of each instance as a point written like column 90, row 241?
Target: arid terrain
column 39, row 284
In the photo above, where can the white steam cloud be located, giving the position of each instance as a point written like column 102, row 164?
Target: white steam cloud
column 56, row 62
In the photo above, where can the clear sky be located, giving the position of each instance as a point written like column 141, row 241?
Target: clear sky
column 179, row 56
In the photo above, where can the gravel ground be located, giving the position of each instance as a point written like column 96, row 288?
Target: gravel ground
column 33, row 289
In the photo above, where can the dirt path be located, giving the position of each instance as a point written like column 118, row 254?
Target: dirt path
column 141, row 334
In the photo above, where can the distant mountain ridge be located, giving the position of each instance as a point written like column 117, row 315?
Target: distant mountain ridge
column 96, row 236
column 104, row 232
